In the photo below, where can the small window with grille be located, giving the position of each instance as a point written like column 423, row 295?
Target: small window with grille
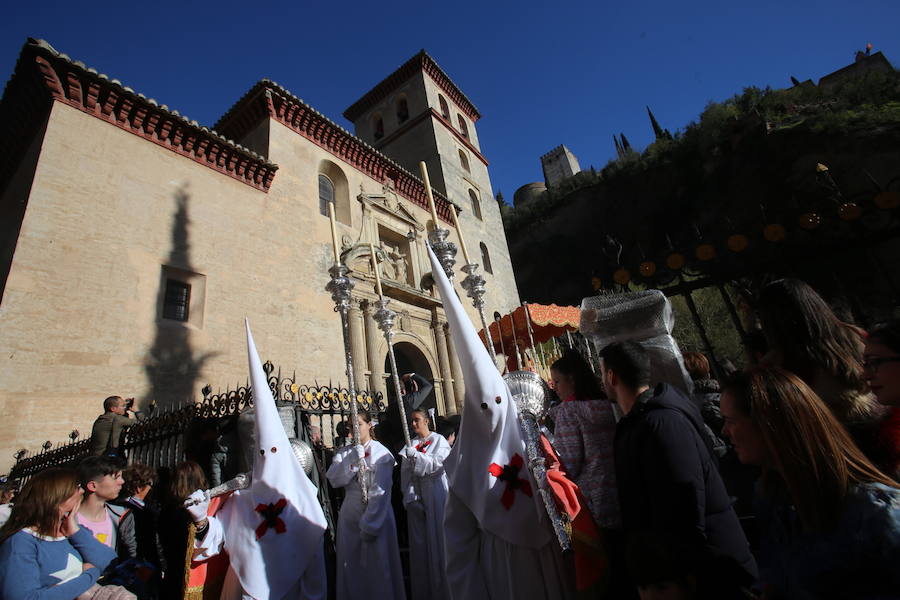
column 177, row 302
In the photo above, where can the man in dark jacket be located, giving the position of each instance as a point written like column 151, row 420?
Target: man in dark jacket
column 107, row 430
column 414, row 390
column 670, row 491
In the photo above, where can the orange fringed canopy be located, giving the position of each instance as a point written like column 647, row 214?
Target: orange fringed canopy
column 547, row 321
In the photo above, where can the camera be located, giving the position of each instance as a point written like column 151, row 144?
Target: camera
column 129, row 403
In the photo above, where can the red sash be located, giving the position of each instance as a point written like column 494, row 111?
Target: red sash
column 591, row 562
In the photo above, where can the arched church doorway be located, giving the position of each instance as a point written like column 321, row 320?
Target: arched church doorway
column 410, row 360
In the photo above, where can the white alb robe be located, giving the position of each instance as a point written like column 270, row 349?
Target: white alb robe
column 367, row 569
column 312, row 585
column 482, row 565
column 424, row 485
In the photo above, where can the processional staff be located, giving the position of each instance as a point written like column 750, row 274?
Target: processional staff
column 474, row 285
column 444, row 250
column 385, row 319
column 540, row 351
column 341, row 287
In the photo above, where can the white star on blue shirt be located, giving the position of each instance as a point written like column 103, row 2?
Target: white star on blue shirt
column 72, row 569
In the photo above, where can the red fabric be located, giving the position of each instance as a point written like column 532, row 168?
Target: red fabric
column 591, row 562
column 270, row 516
column 510, row 475
column 421, row 447
column 547, row 321
column 210, row 574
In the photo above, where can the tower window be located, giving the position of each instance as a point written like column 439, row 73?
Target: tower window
column 326, row 194
column 177, row 300
column 402, row 109
column 464, row 161
column 485, row 259
column 377, row 126
column 445, row 110
column 463, row 129
column 476, row 204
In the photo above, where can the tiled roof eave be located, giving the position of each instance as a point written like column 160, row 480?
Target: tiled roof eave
column 269, row 99
column 72, row 83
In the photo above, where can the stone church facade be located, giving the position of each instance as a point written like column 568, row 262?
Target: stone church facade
column 135, row 241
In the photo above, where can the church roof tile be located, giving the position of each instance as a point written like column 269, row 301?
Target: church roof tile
column 42, row 68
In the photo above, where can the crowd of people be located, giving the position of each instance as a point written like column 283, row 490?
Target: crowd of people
column 777, row 481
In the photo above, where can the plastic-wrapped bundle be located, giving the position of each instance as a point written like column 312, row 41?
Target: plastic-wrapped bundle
column 644, row 317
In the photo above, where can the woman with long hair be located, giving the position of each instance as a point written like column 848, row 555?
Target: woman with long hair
column 368, row 557
column 881, row 365
column 584, row 436
column 44, row 554
column 829, row 519
column 424, row 485
column 805, row 337
column 175, row 525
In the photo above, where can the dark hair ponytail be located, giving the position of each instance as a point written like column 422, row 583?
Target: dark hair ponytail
column 572, row 364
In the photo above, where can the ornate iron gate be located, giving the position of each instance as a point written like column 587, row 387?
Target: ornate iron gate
column 163, row 439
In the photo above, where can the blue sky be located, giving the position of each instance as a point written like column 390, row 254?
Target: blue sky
column 542, row 74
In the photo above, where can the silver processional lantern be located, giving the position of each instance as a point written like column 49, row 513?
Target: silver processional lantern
column 531, row 398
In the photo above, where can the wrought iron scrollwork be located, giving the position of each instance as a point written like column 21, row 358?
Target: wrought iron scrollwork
column 159, row 440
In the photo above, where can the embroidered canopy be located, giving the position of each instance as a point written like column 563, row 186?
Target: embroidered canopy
column 547, row 321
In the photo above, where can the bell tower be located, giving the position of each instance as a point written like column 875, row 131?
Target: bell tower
column 417, row 113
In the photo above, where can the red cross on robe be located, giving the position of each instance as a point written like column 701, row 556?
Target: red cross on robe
column 270, row 516
column 421, row 447
column 510, row 475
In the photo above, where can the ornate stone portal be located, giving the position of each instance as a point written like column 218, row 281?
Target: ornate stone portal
column 420, row 329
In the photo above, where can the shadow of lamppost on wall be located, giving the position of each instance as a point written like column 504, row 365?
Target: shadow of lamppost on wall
column 171, row 364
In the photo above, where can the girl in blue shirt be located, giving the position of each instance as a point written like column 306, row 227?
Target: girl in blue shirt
column 44, row 554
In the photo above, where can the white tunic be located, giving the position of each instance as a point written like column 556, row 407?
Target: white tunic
column 312, row 585
column 368, row 558
column 424, row 485
column 484, row 566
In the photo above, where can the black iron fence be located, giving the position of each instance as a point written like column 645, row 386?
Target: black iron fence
column 166, row 436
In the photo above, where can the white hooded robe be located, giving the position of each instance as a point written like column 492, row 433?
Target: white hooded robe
column 498, row 540
column 367, row 569
column 424, row 485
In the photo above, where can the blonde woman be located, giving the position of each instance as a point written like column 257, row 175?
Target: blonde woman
column 829, row 519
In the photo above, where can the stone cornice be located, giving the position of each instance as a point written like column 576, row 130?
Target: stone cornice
column 267, row 99
column 72, row 83
column 438, row 117
column 425, row 63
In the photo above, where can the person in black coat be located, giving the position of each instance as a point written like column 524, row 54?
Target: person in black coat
column 414, row 389
column 670, row 491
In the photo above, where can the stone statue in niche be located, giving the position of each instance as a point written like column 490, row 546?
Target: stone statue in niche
column 400, row 267
column 395, row 266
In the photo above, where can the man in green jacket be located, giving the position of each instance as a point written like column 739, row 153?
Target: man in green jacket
column 107, row 429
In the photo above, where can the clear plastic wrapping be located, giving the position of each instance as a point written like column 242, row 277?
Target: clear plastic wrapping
column 644, row 317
